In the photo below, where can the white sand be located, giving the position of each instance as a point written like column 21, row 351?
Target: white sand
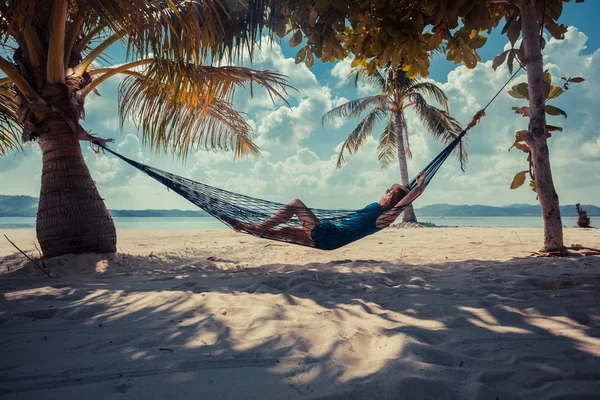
column 404, row 314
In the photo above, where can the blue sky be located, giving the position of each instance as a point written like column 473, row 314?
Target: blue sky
column 299, row 154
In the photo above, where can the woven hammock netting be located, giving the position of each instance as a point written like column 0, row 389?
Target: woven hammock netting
column 229, row 206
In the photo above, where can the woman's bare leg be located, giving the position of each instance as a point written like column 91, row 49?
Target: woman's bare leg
column 284, row 214
column 265, row 229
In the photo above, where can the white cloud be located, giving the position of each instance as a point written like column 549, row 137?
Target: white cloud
column 300, row 156
column 341, row 70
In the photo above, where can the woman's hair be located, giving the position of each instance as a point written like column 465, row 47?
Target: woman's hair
column 397, row 195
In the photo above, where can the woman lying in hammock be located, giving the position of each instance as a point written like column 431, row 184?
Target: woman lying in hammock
column 327, row 234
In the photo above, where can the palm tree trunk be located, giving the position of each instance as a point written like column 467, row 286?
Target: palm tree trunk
column 72, row 217
column 409, row 212
column 536, row 137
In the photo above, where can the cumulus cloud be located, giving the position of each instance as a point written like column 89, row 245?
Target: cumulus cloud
column 341, row 71
column 299, row 156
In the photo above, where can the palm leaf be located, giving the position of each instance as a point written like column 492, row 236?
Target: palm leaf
column 358, row 135
column 438, row 122
column 355, row 108
column 178, row 106
column 360, row 74
column 10, row 128
column 193, row 31
column 388, row 145
column 398, row 79
column 431, row 90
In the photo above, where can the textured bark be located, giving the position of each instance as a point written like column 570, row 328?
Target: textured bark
column 72, row 217
column 409, row 212
column 536, row 137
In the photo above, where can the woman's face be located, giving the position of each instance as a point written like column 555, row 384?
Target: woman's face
column 392, row 196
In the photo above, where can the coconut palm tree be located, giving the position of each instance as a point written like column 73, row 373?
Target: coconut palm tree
column 397, row 93
column 49, row 52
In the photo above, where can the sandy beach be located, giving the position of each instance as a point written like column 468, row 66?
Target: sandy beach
column 444, row 313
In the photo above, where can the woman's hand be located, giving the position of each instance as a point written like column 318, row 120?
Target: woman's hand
column 421, row 179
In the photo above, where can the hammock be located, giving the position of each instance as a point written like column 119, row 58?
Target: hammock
column 230, row 207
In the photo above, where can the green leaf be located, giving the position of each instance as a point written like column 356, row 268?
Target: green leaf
column 359, row 62
column 376, row 48
column 523, row 147
column 551, row 110
column 520, row 91
column 312, row 17
column 435, row 40
column 518, row 180
column 555, row 91
column 301, row 55
column 296, row 39
column 509, row 63
column 499, row 59
column 371, row 66
column 552, row 128
column 577, row 79
column 508, row 22
column 478, row 42
column 524, row 111
column 547, row 77
column 309, row 58
column 557, row 31
column 521, row 136
column 513, row 32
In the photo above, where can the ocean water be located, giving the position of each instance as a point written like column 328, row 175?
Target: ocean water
column 209, row 222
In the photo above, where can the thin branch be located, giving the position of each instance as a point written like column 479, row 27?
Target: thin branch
column 5, row 81
column 29, row 258
column 96, row 53
column 56, row 47
column 112, row 72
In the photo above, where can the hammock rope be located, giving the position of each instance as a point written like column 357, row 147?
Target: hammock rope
column 227, row 206
column 234, row 209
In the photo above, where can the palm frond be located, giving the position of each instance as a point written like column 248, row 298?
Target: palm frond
column 189, row 30
column 429, row 89
column 355, row 108
column 438, row 122
column 194, row 31
column 179, row 107
column 398, row 79
column 358, row 135
column 10, row 128
column 388, row 145
column 374, row 80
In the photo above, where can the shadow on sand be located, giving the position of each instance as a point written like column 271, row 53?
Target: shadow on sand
column 346, row 329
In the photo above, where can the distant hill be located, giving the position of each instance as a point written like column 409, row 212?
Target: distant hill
column 18, row 206
column 513, row 210
column 26, row 206
column 158, row 213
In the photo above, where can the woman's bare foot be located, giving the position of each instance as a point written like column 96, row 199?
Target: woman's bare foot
column 240, row 226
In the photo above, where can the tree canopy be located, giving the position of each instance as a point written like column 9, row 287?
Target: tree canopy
column 403, row 32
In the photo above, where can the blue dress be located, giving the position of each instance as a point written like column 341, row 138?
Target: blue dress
column 329, row 235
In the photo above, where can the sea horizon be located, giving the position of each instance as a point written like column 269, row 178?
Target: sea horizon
column 11, row 223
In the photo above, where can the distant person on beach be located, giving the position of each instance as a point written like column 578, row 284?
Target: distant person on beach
column 328, row 234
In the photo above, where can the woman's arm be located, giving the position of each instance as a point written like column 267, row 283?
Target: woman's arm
column 386, row 218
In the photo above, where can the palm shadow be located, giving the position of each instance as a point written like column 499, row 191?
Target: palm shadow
column 343, row 329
